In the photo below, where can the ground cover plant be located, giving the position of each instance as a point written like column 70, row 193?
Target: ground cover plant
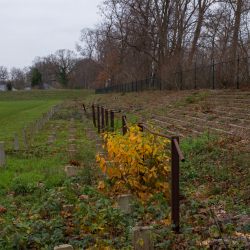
column 214, row 184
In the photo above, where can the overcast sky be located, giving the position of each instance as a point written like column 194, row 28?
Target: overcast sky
column 30, row 28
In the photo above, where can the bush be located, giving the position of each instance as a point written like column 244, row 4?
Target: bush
column 140, row 163
column 9, row 86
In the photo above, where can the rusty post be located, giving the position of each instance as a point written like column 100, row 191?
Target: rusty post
column 98, row 119
column 124, row 126
column 84, row 107
column 107, row 118
column 141, row 129
column 103, row 119
column 175, row 196
column 112, row 120
column 93, row 110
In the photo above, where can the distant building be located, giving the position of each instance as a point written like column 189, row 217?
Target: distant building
column 47, row 86
column 2, row 87
column 27, row 88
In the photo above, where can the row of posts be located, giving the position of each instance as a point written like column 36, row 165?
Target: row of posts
column 102, row 119
column 39, row 124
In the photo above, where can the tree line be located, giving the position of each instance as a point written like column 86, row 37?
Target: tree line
column 64, row 69
column 141, row 38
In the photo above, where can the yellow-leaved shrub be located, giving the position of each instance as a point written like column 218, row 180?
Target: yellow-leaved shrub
column 137, row 162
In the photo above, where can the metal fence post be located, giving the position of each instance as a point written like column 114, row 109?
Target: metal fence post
column 238, row 71
column 84, row 108
column 136, row 85
column 98, row 119
column 175, row 196
column 107, row 118
column 93, row 110
column 112, row 120
column 213, row 73
column 124, row 126
column 103, row 119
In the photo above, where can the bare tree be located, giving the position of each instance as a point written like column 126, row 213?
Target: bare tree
column 18, row 78
column 62, row 64
column 4, row 75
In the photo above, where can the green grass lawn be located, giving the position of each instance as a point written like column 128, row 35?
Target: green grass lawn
column 43, row 95
column 38, row 162
column 14, row 116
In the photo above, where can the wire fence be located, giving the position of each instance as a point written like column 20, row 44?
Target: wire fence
column 220, row 75
column 152, row 83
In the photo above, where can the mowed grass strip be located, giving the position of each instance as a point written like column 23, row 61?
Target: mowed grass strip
column 43, row 95
column 30, row 164
column 41, row 162
column 14, row 116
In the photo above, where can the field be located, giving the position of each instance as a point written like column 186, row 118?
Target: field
column 17, row 110
column 15, row 115
column 45, row 95
column 215, row 195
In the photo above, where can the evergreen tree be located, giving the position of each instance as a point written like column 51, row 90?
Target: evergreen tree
column 9, row 86
column 36, row 79
column 63, row 77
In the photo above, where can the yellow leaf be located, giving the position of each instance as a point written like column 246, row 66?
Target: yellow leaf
column 167, row 168
column 98, row 158
column 155, row 151
column 110, row 172
column 155, row 175
column 104, row 169
column 101, row 185
column 166, row 222
column 102, row 162
column 153, row 169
